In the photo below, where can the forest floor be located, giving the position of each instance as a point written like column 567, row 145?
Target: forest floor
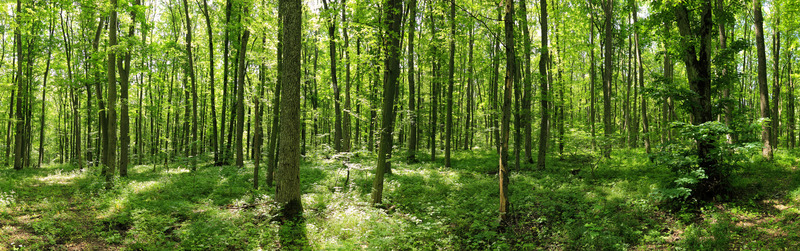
column 427, row 206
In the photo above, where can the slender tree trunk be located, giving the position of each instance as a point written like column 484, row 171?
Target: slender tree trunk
column 44, row 88
column 608, row 126
column 125, row 138
column 762, row 80
column 592, row 85
column 393, row 12
column 776, row 82
column 20, row 92
column 214, row 135
column 190, row 70
column 645, row 121
column 449, row 121
column 111, row 128
column 337, row 134
column 544, row 127
column 509, row 85
column 272, row 161
column 413, row 116
column 526, row 82
column 790, row 116
column 240, row 100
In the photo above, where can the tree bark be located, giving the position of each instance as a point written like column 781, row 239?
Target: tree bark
column 544, row 127
column 287, row 192
column 214, row 135
column 111, row 128
column 776, row 82
column 608, row 126
column 240, row 100
column 392, row 19
column 509, row 85
column 762, row 81
column 449, row 121
column 413, row 116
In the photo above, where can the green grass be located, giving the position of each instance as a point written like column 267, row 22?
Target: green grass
column 426, row 207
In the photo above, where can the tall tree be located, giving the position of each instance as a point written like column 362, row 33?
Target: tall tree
column 608, row 126
column 508, row 21
column 111, row 128
column 190, row 71
column 20, row 91
column 763, row 89
column 238, row 145
column 413, row 116
column 124, row 65
column 526, row 81
column 212, row 91
column 544, row 127
column 776, row 80
column 449, row 121
column 337, row 128
column 698, row 73
column 287, row 192
column 391, row 45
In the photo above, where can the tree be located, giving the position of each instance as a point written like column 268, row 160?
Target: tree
column 287, row 192
column 391, row 46
column 111, row 128
column 413, row 116
column 608, row 123
column 337, row 134
column 239, row 147
column 190, row 72
column 124, row 65
column 508, row 21
column 544, row 127
column 763, row 89
column 449, row 121
column 526, row 81
column 214, row 134
column 698, row 73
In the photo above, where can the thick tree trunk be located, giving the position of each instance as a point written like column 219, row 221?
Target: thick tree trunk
column 111, row 128
column 287, row 193
column 698, row 73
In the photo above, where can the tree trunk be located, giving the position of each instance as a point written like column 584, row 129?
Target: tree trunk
column 762, row 81
column 544, row 127
column 698, row 69
column 509, row 85
column 111, row 128
column 776, row 82
column 287, row 193
column 392, row 48
column 413, row 116
column 190, row 70
column 44, row 87
column 450, row 83
column 272, row 161
column 526, row 82
column 214, row 135
column 240, row 100
column 337, row 131
column 645, row 122
column 608, row 126
column 20, row 91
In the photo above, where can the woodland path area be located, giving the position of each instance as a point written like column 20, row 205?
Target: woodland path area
column 428, row 207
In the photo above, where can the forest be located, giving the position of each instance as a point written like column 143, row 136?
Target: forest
column 399, row 125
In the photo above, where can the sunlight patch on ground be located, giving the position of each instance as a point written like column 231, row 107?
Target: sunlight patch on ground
column 177, row 171
column 60, row 177
column 138, row 187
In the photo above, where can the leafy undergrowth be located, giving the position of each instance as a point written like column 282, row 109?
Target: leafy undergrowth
column 426, row 207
